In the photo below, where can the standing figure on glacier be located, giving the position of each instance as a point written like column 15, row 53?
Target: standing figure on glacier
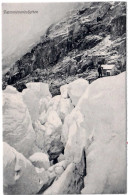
column 100, row 71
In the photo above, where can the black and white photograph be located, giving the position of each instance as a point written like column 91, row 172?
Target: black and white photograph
column 64, row 98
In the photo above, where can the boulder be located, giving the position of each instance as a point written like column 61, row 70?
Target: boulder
column 56, row 148
column 20, row 176
column 40, row 160
column 17, row 125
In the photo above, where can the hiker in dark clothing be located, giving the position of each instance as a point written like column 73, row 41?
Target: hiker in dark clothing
column 100, row 71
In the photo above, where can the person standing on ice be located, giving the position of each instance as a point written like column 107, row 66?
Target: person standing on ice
column 100, row 71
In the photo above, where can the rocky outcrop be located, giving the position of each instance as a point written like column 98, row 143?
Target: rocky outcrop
column 63, row 54
column 119, row 25
column 56, row 148
column 17, row 124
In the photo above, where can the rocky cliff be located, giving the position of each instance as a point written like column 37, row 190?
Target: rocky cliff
column 72, row 48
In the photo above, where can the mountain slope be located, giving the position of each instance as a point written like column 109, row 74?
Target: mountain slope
column 92, row 34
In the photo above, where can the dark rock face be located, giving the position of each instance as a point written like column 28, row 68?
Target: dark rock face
column 67, row 51
column 20, row 86
column 79, row 174
column 119, row 25
column 55, row 150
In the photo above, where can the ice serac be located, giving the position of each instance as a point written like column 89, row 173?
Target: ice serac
column 48, row 127
column 11, row 89
column 74, row 90
column 100, row 127
column 107, row 151
column 61, row 105
column 71, row 180
column 17, row 125
column 58, row 168
column 73, row 134
column 20, row 176
column 40, row 160
column 32, row 96
column 64, row 91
